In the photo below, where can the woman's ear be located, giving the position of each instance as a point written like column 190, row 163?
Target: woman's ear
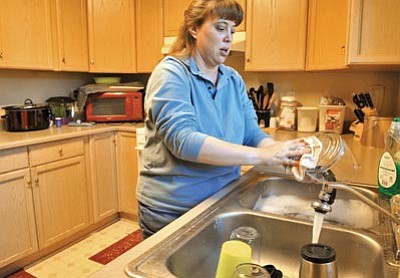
column 193, row 32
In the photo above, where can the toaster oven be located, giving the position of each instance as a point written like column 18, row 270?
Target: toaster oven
column 115, row 107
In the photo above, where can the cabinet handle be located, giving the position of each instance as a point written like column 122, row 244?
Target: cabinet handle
column 91, row 61
column 63, row 60
column 37, row 182
column 1, row 54
column 29, row 183
column 248, row 60
column 61, row 152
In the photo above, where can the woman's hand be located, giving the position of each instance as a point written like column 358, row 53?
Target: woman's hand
column 286, row 153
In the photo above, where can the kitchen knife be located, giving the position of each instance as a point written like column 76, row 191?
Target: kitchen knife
column 362, row 99
column 369, row 101
column 359, row 114
column 358, row 102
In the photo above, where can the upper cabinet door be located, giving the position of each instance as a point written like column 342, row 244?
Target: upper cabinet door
column 276, row 35
column 174, row 11
column 374, row 32
column 327, row 34
column 242, row 26
column 173, row 16
column 111, row 25
column 71, row 35
column 25, row 34
column 149, row 34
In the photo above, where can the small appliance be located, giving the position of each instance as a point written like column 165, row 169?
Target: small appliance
column 115, row 107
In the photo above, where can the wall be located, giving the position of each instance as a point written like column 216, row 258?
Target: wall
column 17, row 85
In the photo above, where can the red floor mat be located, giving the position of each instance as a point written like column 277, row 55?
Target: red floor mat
column 21, row 274
column 113, row 251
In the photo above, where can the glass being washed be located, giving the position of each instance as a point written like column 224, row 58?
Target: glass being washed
column 328, row 152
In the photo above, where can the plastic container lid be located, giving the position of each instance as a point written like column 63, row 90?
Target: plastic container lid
column 318, row 253
column 289, row 98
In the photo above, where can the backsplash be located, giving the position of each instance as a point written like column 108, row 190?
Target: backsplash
column 17, row 85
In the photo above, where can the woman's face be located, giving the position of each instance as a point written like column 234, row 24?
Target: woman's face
column 214, row 40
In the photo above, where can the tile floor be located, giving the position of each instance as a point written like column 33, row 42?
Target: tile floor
column 74, row 262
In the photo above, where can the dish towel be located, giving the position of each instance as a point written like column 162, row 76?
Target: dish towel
column 308, row 161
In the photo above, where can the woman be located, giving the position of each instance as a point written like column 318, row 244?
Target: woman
column 200, row 125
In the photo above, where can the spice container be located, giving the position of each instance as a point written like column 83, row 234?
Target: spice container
column 288, row 112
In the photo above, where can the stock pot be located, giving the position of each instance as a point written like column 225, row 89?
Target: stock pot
column 27, row 117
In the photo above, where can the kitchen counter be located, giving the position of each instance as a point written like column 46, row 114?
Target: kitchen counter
column 367, row 157
column 19, row 139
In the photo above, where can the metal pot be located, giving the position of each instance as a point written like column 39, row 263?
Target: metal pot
column 27, row 117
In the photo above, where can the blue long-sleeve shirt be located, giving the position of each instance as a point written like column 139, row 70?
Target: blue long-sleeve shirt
column 183, row 107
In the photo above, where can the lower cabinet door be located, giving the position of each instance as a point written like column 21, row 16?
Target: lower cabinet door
column 18, row 231
column 103, row 175
column 61, row 199
column 127, row 173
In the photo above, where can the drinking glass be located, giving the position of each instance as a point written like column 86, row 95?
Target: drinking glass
column 248, row 270
column 250, row 236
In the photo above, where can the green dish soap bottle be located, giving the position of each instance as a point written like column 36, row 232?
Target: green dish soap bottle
column 389, row 165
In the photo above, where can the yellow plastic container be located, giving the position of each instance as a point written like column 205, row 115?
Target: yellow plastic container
column 233, row 253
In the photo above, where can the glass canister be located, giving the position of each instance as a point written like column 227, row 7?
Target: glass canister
column 62, row 107
column 287, row 115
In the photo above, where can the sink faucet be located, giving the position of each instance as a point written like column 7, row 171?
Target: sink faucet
column 326, row 199
column 328, row 193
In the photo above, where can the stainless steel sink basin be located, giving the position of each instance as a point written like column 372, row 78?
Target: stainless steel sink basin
column 291, row 198
column 193, row 249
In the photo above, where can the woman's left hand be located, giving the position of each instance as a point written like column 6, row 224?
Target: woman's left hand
column 286, row 153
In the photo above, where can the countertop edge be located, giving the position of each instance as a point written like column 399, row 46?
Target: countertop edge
column 10, row 140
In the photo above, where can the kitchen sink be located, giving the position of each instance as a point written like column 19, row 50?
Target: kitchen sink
column 363, row 247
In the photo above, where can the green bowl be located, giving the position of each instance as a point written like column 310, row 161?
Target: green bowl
column 107, row 80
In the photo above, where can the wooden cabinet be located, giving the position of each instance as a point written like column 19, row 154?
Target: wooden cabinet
column 59, row 188
column 18, row 230
column 103, row 175
column 149, row 34
column 111, row 27
column 174, row 11
column 173, row 16
column 70, row 35
column 327, row 34
column 276, row 35
column 127, row 172
column 374, row 32
column 25, row 34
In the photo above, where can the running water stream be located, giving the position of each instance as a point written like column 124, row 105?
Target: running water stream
column 318, row 220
